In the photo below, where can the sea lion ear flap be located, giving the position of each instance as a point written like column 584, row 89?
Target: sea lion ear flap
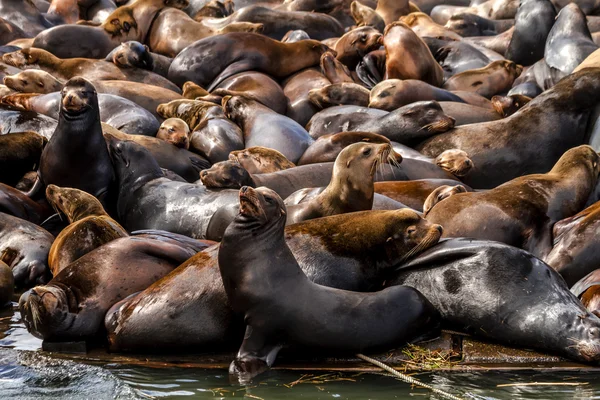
column 283, row 212
column 348, row 163
column 41, row 83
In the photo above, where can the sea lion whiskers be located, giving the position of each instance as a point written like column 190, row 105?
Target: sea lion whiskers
column 432, row 237
column 440, row 126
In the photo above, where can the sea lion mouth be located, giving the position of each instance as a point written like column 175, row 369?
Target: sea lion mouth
column 588, row 350
column 440, row 126
column 41, row 302
column 250, row 205
column 432, row 237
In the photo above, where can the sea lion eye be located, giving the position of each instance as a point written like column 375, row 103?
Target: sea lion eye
column 367, row 151
column 363, row 38
column 269, row 200
column 411, row 230
column 126, row 26
column 23, row 81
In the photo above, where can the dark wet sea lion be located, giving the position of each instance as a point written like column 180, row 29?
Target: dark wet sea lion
column 33, row 81
column 339, row 94
column 357, row 43
column 412, row 193
column 7, row 284
column 394, row 93
column 515, row 146
column 93, row 283
column 216, row 136
column 133, row 54
column 115, row 111
column 158, row 202
column 15, row 120
column 24, row 248
column 25, row 15
column 176, row 132
column 471, row 282
column 348, row 251
column 76, row 154
column 20, row 152
column 402, row 44
column 260, row 160
column 522, row 212
column 441, row 193
column 297, row 88
column 340, row 119
column 371, row 70
column 84, row 67
column 129, row 22
column 351, row 185
column 496, row 78
column 574, row 252
column 506, row 106
column 456, row 56
column 89, row 226
column 14, row 202
column 264, row 210
column 264, row 127
column 209, row 61
column 533, row 23
column 10, row 32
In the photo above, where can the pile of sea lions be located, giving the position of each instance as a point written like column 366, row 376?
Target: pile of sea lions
column 333, row 176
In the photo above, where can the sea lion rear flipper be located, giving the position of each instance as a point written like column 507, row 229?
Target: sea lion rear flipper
column 256, row 355
column 234, row 68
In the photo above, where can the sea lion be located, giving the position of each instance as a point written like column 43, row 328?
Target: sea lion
column 424, row 26
column 176, row 132
column 264, row 127
column 586, row 290
column 357, row 43
column 340, row 119
column 133, row 54
column 89, row 226
column 513, row 146
column 20, row 152
column 337, row 251
column 573, row 253
column 466, row 25
column 506, row 106
column 129, row 22
column 334, row 70
column 76, row 154
column 327, row 147
column 7, row 284
column 497, row 77
column 391, row 10
column 24, row 247
column 439, row 194
column 366, row 16
column 351, row 186
column 216, row 136
column 402, row 44
column 209, row 61
column 264, row 210
column 14, row 120
column 295, row 36
column 14, row 202
column 297, row 88
column 458, row 56
column 522, row 211
column 157, row 201
column 33, row 81
column 533, row 23
column 339, row 94
column 96, row 70
column 260, row 160
column 394, row 93
column 97, row 280
column 192, row 91
column 413, row 193
column 25, row 15
column 256, row 86
column 499, row 292
column 191, row 111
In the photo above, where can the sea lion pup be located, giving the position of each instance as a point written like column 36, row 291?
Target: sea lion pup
column 522, row 212
column 401, row 45
column 129, row 22
column 33, row 81
column 133, row 54
column 497, row 77
column 91, row 69
column 76, row 154
column 337, row 94
column 345, row 321
column 89, row 226
column 201, row 64
column 73, row 304
column 499, row 292
column 351, row 186
column 439, row 194
column 575, row 242
column 176, row 132
column 7, row 285
column 508, row 105
column 260, row 160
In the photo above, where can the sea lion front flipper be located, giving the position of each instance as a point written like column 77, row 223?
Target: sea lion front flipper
column 234, row 68
column 256, row 355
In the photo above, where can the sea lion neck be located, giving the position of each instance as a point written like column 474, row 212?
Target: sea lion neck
column 349, row 190
column 85, row 207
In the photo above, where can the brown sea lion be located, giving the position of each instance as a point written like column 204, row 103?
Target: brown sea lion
column 94, row 282
column 89, row 226
column 522, row 212
column 95, row 70
column 506, row 106
column 7, row 284
column 394, row 93
column 339, row 94
column 191, row 111
column 334, row 70
column 260, row 160
column 210, row 61
column 439, row 194
column 297, row 88
column 357, row 43
column 498, row 77
column 392, row 10
column 402, row 44
column 33, row 81
column 192, row 91
column 327, row 147
column 424, row 26
column 413, row 193
column 366, row 16
column 20, row 153
column 176, row 132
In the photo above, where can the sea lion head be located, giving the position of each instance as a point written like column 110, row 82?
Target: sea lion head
column 261, row 208
column 584, row 341
column 24, row 58
column 46, row 310
column 133, row 54
column 508, row 105
column 439, row 194
column 27, row 270
column 365, row 16
column 226, row 174
column 338, row 94
column 175, row 131
column 78, row 97
column 411, row 235
column 32, row 81
column 429, row 116
column 455, row 161
column 358, row 43
column 257, row 160
column 74, row 203
column 131, row 160
column 579, row 156
column 357, row 158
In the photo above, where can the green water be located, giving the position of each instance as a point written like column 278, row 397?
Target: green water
column 28, row 373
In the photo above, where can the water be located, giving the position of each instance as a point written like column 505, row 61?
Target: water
column 28, row 373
